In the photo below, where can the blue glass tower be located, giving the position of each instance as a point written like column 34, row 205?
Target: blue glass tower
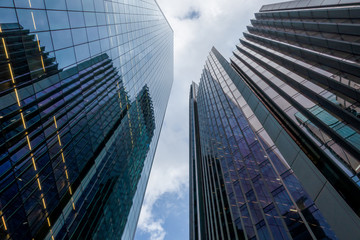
column 84, row 87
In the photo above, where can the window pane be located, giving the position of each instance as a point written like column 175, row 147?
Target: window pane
column 58, row 20
column 45, row 41
column 74, row 5
column 6, row 3
column 90, row 19
column 79, row 35
column 92, row 33
column 82, row 52
column 95, row 48
column 65, row 57
column 7, row 15
column 88, row 5
column 76, row 19
column 61, row 39
column 58, row 4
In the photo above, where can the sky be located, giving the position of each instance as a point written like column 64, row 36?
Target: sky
column 198, row 25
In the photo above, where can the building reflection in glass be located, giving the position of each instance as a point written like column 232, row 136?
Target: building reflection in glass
column 72, row 144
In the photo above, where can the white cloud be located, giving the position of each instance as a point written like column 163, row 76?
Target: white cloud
column 147, row 223
column 169, row 175
column 220, row 24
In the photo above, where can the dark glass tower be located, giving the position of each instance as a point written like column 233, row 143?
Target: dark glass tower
column 83, row 91
column 295, row 77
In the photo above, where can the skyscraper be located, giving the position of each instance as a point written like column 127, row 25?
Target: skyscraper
column 243, row 185
column 288, row 99
column 84, row 88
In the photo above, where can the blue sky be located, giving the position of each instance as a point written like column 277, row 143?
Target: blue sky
column 198, row 25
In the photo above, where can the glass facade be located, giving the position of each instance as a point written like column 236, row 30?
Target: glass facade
column 84, row 86
column 241, row 186
column 301, row 59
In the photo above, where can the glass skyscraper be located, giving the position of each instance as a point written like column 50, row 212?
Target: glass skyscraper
column 242, row 186
column 84, row 86
column 275, row 132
